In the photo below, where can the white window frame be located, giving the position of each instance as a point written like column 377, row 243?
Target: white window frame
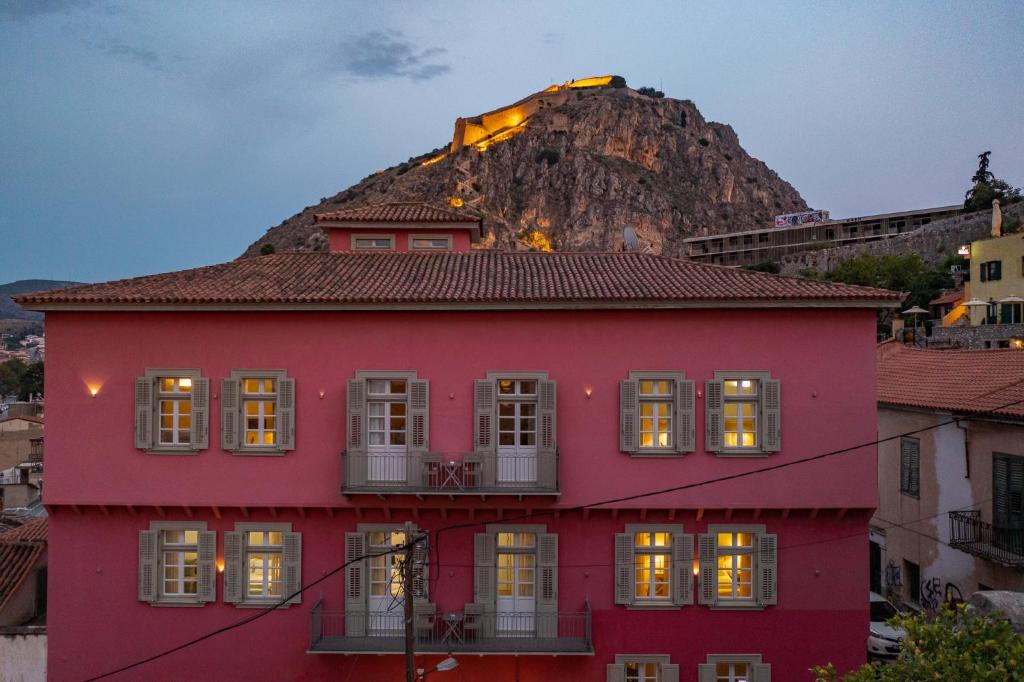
column 245, row 529
column 674, row 379
column 176, row 398
column 751, row 660
column 175, row 599
column 651, row 550
column 755, row 531
column 517, row 400
column 658, row 660
column 431, row 237
column 740, row 399
column 735, row 551
column 390, row 238
column 155, row 375
column 387, row 400
column 261, row 398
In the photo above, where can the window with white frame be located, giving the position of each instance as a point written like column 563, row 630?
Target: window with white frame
column 653, row 559
column 743, row 413
column 373, row 242
column 738, row 566
column 386, row 408
column 430, row 242
column 656, row 407
column 656, row 414
column 386, row 564
column 642, row 668
column 174, row 401
column 259, row 409
column 734, row 668
column 517, row 414
column 263, row 559
column 177, row 563
column 262, row 564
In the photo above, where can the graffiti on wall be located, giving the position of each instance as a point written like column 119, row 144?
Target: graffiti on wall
column 934, row 593
column 893, row 575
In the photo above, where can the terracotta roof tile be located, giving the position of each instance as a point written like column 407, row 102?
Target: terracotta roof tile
column 951, row 380
column 20, row 549
column 523, row 279
column 397, row 212
column 948, row 297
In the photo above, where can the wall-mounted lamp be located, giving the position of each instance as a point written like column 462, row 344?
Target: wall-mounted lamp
column 696, row 567
column 322, row 393
column 700, row 393
column 220, row 565
column 588, row 392
column 93, row 389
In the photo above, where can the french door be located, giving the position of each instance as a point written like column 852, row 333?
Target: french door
column 386, row 601
column 386, row 448
column 516, row 600
column 517, row 442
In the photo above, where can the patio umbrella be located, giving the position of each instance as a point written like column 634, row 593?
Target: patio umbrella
column 974, row 302
column 1011, row 299
column 916, row 310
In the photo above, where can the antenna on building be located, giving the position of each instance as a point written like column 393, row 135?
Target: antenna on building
column 630, row 242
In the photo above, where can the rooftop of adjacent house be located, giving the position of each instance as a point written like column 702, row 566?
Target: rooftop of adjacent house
column 22, row 417
column 948, row 297
column 467, row 280
column 952, row 380
column 396, row 212
column 20, row 549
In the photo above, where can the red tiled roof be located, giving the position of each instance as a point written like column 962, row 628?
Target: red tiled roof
column 951, row 380
column 475, row 278
column 397, row 212
column 35, row 420
column 20, row 549
column 948, row 297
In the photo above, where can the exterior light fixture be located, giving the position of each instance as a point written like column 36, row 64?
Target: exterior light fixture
column 696, row 567
column 447, row 664
column 322, row 393
column 93, row 389
column 588, row 391
column 220, row 565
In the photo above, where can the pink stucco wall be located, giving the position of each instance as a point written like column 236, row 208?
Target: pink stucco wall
column 340, row 239
column 824, row 359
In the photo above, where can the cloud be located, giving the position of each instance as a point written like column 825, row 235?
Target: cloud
column 21, row 10
column 140, row 55
column 388, row 54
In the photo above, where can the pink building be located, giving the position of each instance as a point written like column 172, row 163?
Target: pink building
column 275, row 418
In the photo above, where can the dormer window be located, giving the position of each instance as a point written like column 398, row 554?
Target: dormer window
column 384, row 242
column 430, row 242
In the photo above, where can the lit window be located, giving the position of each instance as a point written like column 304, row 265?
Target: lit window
column 259, row 408
column 637, row 671
column 174, row 403
column 656, row 403
column 263, row 558
column 430, row 243
column 732, row 671
column 517, row 415
column 386, row 564
column 386, row 408
column 180, row 563
column 517, row 566
column 735, row 557
column 382, row 243
column 653, row 564
column 741, row 404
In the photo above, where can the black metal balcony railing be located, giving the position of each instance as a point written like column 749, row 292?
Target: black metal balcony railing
column 534, row 633
column 969, row 533
column 437, row 474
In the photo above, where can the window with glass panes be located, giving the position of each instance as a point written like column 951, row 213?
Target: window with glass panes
column 517, row 565
column 735, row 558
column 174, row 402
column 386, row 408
column 656, row 407
column 740, row 406
column 373, row 243
column 386, row 564
column 639, row 671
column 259, row 410
column 179, row 557
column 517, row 414
column 263, row 555
column 652, row 555
column 732, row 671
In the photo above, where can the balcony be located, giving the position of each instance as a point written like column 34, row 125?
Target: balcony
column 967, row 532
column 35, row 454
column 472, row 632
column 471, row 473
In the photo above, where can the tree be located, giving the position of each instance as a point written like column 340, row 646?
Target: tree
column 11, row 373
column 764, row 266
column 651, row 92
column 985, row 187
column 954, row 645
column 31, row 381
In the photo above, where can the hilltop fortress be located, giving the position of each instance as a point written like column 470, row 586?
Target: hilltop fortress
column 503, row 123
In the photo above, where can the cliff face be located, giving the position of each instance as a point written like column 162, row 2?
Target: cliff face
column 575, row 173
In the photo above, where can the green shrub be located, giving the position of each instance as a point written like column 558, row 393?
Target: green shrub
column 267, row 249
column 651, row 92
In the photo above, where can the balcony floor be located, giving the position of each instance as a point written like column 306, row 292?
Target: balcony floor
column 563, row 646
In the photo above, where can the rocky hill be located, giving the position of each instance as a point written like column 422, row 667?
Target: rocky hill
column 578, row 166
column 12, row 311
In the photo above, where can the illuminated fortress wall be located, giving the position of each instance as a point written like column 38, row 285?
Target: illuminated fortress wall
column 480, row 129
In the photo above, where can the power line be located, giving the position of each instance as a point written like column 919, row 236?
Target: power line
column 409, row 544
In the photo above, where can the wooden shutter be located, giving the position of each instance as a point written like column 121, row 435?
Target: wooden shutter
column 233, row 569
column 144, row 412
column 616, row 672
column 200, row 435
column 547, row 439
column 684, row 440
column 762, row 672
column 355, row 454
column 625, row 569
column 483, row 416
column 713, row 415
column 708, row 569
column 292, row 565
column 147, row 565
column 207, row 565
column 484, row 567
column 547, row 584
column 356, row 577
column 1000, row 492
column 983, row 271
column 771, row 417
column 418, row 425
column 767, row 569
column 706, row 672
column 421, row 568
column 230, row 414
column 286, row 414
column 629, row 438
column 910, row 465
column 669, row 672
column 682, row 557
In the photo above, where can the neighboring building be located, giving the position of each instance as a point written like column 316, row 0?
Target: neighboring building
column 297, row 410
column 772, row 243
column 991, row 311
column 23, row 563
column 950, row 519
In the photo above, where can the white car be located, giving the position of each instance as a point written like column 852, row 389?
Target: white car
column 884, row 640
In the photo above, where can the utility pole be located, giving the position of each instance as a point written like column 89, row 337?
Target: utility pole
column 410, row 630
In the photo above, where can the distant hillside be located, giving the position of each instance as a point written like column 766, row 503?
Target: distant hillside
column 9, row 310
column 576, row 165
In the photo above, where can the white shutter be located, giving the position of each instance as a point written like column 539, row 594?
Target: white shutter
column 629, row 438
column 355, row 454
column 762, row 672
column 207, row 591
column 200, row 436
column 669, row 672
column 706, row 672
column 148, row 550
column 292, row 566
column 616, row 672
column 144, row 387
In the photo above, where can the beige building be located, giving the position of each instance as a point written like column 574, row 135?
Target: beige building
column 997, row 274
column 950, row 516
